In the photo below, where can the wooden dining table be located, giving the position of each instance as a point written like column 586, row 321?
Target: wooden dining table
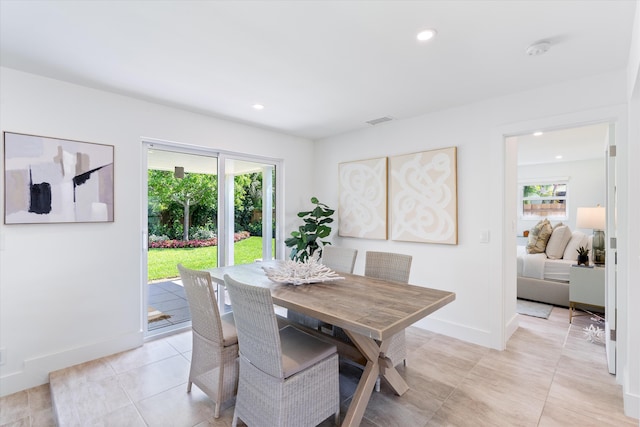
column 369, row 310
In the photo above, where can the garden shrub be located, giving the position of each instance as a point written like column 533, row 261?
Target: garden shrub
column 201, row 233
column 195, row 243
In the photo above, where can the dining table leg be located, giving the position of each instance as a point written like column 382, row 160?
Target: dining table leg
column 377, row 364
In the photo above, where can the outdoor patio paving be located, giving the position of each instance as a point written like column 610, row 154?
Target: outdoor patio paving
column 169, row 298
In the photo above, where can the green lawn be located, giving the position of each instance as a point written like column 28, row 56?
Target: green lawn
column 162, row 262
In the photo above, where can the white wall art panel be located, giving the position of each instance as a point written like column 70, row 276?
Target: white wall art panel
column 423, row 197
column 362, row 210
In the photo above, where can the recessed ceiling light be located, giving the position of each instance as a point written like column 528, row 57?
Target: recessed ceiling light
column 559, row 156
column 258, row 107
column 425, row 35
column 537, row 133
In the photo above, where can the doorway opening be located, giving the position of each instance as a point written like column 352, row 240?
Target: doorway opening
column 556, row 172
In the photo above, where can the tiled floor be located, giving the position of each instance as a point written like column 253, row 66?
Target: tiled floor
column 550, row 375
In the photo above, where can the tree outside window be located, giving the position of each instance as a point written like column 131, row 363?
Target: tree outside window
column 544, row 200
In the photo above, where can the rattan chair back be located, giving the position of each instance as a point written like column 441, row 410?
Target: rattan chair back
column 257, row 326
column 388, row 266
column 214, row 356
column 205, row 316
column 339, row 259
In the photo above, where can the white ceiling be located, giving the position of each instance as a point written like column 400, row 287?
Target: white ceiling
column 574, row 144
column 321, row 68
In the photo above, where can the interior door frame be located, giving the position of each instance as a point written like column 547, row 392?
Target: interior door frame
column 506, row 174
column 611, row 256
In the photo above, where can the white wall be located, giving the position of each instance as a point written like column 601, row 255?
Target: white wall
column 483, row 308
column 630, row 241
column 72, row 292
column 470, row 268
column 587, row 187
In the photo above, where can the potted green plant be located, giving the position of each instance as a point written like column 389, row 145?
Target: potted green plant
column 308, row 238
column 583, row 256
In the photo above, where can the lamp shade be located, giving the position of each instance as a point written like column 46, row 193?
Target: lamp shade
column 593, row 218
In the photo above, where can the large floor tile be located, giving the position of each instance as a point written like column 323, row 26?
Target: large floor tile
column 439, row 365
column 175, row 407
column 123, row 417
column 182, row 342
column 474, row 404
column 518, row 382
column 559, row 414
column 150, row 352
column 598, row 400
column 155, row 378
column 95, row 399
column 14, row 407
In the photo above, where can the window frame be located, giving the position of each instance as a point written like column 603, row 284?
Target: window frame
column 565, row 199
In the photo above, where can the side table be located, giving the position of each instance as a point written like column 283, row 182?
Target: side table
column 586, row 287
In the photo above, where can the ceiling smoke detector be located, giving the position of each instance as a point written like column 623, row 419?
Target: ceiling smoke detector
column 538, row 48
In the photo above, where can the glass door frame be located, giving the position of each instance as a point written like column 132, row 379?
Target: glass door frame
column 225, row 206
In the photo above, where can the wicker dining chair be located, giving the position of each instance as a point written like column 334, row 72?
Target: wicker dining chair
column 395, row 268
column 287, row 377
column 340, row 260
column 214, row 359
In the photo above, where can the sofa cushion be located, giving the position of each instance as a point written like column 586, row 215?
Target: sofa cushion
column 558, row 241
column 571, row 250
column 539, row 236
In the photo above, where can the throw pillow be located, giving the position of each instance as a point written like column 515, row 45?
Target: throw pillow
column 571, row 251
column 558, row 242
column 539, row 236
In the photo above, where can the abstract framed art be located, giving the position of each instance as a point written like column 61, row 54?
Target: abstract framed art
column 362, row 207
column 423, row 197
column 53, row 180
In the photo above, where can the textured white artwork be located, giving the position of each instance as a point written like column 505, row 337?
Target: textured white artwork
column 53, row 180
column 423, row 197
column 362, row 209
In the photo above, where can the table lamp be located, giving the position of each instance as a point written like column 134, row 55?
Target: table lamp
column 594, row 218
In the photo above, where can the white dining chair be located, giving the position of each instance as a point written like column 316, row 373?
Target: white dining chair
column 288, row 378
column 214, row 357
column 395, row 268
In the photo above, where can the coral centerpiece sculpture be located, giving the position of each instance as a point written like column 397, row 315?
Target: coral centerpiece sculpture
column 301, row 272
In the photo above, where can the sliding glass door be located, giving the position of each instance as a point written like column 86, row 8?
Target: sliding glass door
column 182, row 228
column 250, row 214
column 203, row 209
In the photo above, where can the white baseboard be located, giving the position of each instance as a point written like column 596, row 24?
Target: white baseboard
column 36, row 370
column 631, row 405
column 512, row 327
column 462, row 332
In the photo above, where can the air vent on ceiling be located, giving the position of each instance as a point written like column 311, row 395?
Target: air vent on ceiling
column 379, row 120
